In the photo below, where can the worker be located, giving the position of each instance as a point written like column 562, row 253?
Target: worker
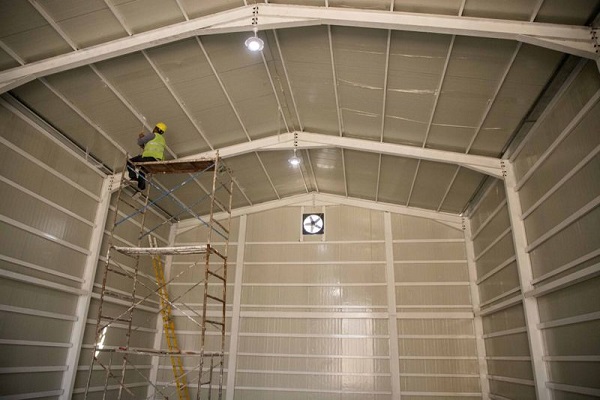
column 153, row 145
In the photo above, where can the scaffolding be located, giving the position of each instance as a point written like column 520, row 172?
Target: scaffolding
column 136, row 292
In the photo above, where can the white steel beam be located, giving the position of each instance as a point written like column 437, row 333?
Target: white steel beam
column 530, row 305
column 317, row 199
column 83, row 302
column 485, row 165
column 477, row 320
column 392, row 310
column 237, row 306
column 570, row 39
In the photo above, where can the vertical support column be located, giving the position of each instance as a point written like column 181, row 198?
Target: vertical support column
column 477, row 321
column 237, row 304
column 530, row 305
column 83, row 303
column 390, row 279
column 153, row 375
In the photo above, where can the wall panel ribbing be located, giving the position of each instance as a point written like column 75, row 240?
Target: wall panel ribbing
column 314, row 312
column 504, row 328
column 50, row 199
column 558, row 173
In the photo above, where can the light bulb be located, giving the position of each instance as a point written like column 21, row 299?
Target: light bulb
column 254, row 43
column 294, row 160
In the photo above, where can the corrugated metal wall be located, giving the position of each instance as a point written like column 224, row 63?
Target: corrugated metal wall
column 312, row 316
column 509, row 367
column 47, row 216
column 558, row 180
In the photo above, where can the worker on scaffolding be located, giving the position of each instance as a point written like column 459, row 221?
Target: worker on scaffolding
column 153, row 145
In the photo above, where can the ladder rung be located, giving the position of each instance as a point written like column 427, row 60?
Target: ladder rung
column 224, row 187
column 215, row 322
column 221, row 205
column 215, row 298
column 119, row 295
column 215, row 251
column 216, row 275
column 118, row 272
column 221, row 226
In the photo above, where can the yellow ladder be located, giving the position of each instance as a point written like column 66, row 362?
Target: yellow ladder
column 169, row 326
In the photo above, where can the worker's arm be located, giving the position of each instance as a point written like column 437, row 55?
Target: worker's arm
column 145, row 139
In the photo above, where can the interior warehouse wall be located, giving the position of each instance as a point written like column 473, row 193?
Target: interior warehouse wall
column 363, row 312
column 144, row 324
column 50, row 200
column 504, row 327
column 557, row 175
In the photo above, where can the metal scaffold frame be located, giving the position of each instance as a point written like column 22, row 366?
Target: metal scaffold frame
column 202, row 375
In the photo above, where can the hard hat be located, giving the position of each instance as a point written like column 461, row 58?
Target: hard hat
column 161, row 126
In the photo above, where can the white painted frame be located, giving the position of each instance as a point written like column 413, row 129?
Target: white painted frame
column 530, row 305
column 577, row 40
column 83, row 302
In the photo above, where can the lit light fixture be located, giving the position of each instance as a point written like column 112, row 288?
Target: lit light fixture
column 295, row 160
column 254, row 43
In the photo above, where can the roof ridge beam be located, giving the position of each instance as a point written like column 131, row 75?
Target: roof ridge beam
column 306, row 140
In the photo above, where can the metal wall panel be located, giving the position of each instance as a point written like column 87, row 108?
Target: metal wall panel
column 314, row 315
column 560, row 195
column 510, row 373
column 50, row 202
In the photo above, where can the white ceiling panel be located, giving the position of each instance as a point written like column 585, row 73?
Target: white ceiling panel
column 572, row 12
column 308, row 60
column 251, row 177
column 396, row 179
column 143, row 15
column 51, row 108
column 366, row 4
column 431, row 184
column 6, row 61
column 532, row 68
column 445, row 7
column 507, row 9
column 461, row 191
column 328, row 168
column 288, row 180
column 362, row 173
column 415, row 70
column 27, row 33
column 195, row 9
column 86, row 23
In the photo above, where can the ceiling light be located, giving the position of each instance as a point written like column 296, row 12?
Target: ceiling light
column 294, row 160
column 254, row 43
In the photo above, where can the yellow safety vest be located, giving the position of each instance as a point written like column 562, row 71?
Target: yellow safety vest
column 156, row 147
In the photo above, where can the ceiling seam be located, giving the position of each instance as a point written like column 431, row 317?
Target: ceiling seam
column 289, row 84
column 337, row 104
column 384, row 101
column 536, row 10
column 187, row 18
column 281, row 113
column 486, row 113
column 434, row 108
